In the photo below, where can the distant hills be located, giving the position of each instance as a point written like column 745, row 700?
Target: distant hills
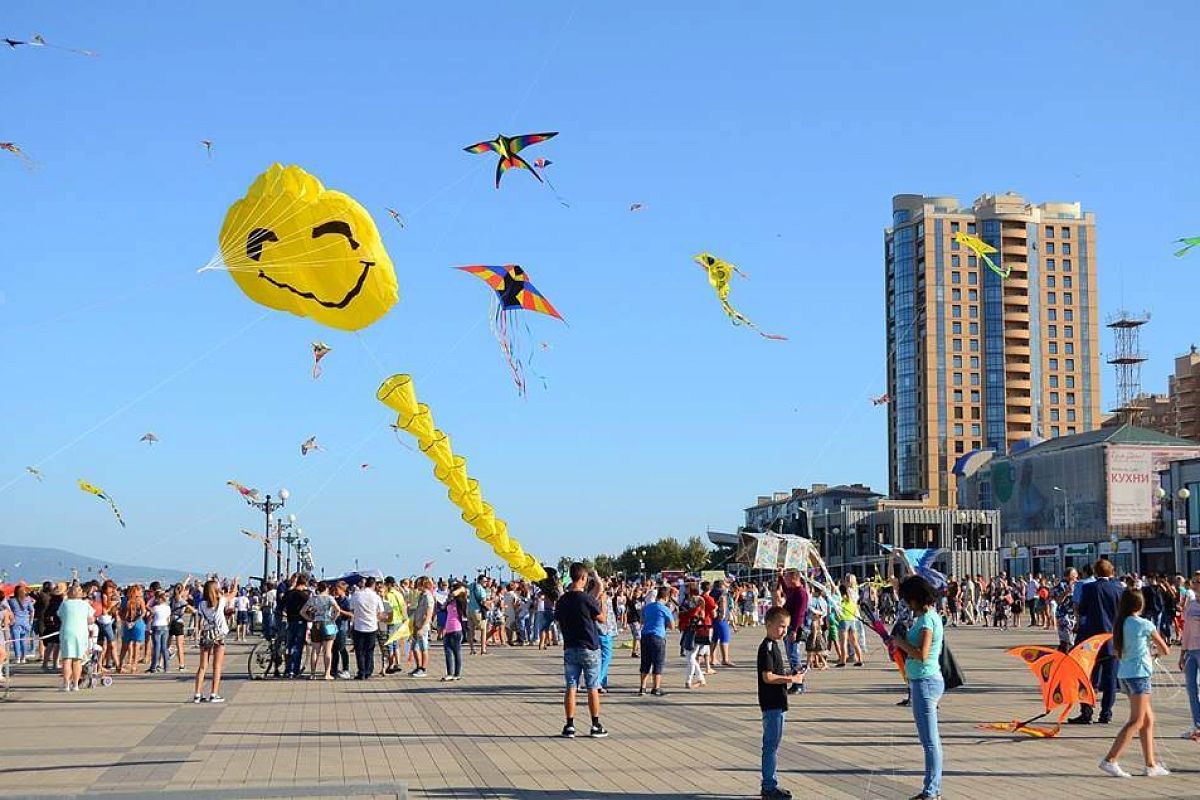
column 37, row 564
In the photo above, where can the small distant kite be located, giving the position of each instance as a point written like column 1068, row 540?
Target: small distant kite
column 395, row 215
column 428, row 566
column 319, row 350
column 507, row 147
column 207, row 143
column 637, row 207
column 98, row 492
column 719, row 275
column 1188, row 243
column 15, row 149
column 542, row 163
column 39, row 41
column 364, row 466
column 259, row 537
column 514, row 292
column 35, row 472
column 981, row 248
column 252, row 495
column 882, row 400
column 149, row 438
column 308, row 445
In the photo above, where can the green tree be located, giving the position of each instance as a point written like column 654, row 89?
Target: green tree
column 605, row 565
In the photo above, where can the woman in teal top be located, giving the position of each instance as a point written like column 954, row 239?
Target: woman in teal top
column 922, row 646
column 76, row 615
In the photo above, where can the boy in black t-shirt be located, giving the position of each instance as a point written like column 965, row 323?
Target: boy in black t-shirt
column 773, row 683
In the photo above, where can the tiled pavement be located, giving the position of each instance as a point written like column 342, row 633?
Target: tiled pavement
column 494, row 735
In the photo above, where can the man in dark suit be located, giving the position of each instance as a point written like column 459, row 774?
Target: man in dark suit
column 1097, row 613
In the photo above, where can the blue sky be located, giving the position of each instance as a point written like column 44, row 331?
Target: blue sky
column 772, row 134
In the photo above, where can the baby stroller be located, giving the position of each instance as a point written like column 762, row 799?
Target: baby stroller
column 93, row 671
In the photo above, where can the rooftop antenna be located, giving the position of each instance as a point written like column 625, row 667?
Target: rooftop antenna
column 1127, row 361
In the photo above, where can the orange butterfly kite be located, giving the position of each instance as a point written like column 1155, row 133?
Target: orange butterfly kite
column 1066, row 679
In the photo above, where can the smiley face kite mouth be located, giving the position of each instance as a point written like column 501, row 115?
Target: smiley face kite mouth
column 345, row 301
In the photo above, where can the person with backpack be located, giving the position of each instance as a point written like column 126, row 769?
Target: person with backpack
column 214, row 627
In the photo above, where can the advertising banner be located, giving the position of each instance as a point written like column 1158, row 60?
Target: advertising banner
column 1130, row 485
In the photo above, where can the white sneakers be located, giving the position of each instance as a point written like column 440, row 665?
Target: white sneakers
column 1114, row 769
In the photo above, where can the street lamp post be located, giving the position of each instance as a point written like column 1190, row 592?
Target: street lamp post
column 267, row 506
column 1066, row 508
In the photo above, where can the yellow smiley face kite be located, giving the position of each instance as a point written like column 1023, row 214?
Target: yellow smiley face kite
column 293, row 245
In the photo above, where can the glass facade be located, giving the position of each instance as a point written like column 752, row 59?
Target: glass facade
column 939, row 265
column 1085, row 331
column 993, row 343
column 1035, row 328
column 904, row 345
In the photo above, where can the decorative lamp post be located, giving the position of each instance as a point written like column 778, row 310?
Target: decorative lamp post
column 268, row 506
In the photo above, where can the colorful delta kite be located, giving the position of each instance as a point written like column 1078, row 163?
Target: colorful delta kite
column 398, row 394
column 319, row 350
column 882, row 400
column 514, row 293
column 308, row 445
column 149, row 437
column 1065, row 679
column 1188, row 243
column 542, row 163
column 98, row 492
column 39, row 41
column 35, row 472
column 981, row 248
column 919, row 561
column 251, row 495
column 14, row 148
column 875, row 623
column 507, row 147
column 719, row 275
column 293, row 245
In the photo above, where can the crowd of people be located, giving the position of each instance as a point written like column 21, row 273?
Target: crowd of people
column 392, row 624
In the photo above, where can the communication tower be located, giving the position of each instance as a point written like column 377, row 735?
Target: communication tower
column 1127, row 361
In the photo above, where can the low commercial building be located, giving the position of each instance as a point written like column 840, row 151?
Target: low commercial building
column 1066, row 501
column 792, row 509
column 1179, row 496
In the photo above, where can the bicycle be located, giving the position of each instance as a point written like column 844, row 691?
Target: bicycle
column 267, row 657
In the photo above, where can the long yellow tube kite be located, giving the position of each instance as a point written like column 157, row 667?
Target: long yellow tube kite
column 398, row 394
column 981, row 248
column 293, row 245
column 98, row 492
column 720, row 273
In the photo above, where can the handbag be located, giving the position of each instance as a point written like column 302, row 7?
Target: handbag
column 330, row 629
column 952, row 673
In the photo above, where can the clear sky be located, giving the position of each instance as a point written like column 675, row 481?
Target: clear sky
column 772, row 134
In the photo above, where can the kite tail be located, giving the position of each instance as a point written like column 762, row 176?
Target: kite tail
column 500, row 329
column 562, row 201
column 116, row 513
column 316, row 371
column 740, row 319
column 1003, row 273
column 1183, row 251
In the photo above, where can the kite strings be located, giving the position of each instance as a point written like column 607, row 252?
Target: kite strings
column 221, row 344
column 537, row 76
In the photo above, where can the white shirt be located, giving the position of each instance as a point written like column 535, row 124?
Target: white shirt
column 1031, row 589
column 214, row 619
column 161, row 615
column 241, row 603
column 365, row 605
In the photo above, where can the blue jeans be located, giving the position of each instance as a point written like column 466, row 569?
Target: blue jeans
column 364, row 653
column 1191, row 674
column 581, row 666
column 158, row 646
column 772, row 722
column 925, row 695
column 295, row 646
column 606, row 642
column 792, row 645
column 268, row 624
column 21, row 642
column 452, row 644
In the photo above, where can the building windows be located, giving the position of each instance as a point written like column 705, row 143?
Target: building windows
column 1066, row 265
column 958, row 379
column 1054, row 363
column 972, row 261
column 1054, row 381
column 956, row 327
column 972, row 294
column 1051, row 314
column 1069, row 348
column 1070, row 365
column 1068, row 315
column 973, row 328
column 1066, row 281
column 972, row 278
column 1051, row 297
column 958, row 430
column 1050, row 264
column 958, row 395
column 955, row 261
column 1066, row 251
column 956, row 277
column 1049, row 231
column 1050, row 282
column 1070, row 398
column 1054, row 398
column 1070, row 381
column 1054, row 415
column 1052, row 347
column 976, row 430
column 974, row 397
column 1068, row 298
column 1054, row 430
column 959, row 448
column 1070, row 415
column 958, row 412
column 974, row 362
column 956, row 312
column 956, row 294
column 1052, row 331
column 1070, row 430
column 974, row 378
column 956, row 362
column 954, row 245
column 974, row 345
column 1049, row 248
column 1066, row 232
column 957, row 345
column 973, row 312
column 971, row 227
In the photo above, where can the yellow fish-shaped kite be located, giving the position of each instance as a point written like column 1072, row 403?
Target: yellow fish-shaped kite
column 981, row 248
column 719, row 275
column 98, row 492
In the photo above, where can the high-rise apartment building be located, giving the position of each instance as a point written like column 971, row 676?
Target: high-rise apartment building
column 1178, row 412
column 977, row 361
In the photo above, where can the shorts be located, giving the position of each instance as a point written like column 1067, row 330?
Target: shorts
column 815, row 643
column 316, row 633
column 580, row 662
column 243, row 618
column 175, row 628
column 720, row 631
column 136, row 632
column 476, row 618
column 105, row 633
column 1134, row 686
column 654, row 655
column 420, row 641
